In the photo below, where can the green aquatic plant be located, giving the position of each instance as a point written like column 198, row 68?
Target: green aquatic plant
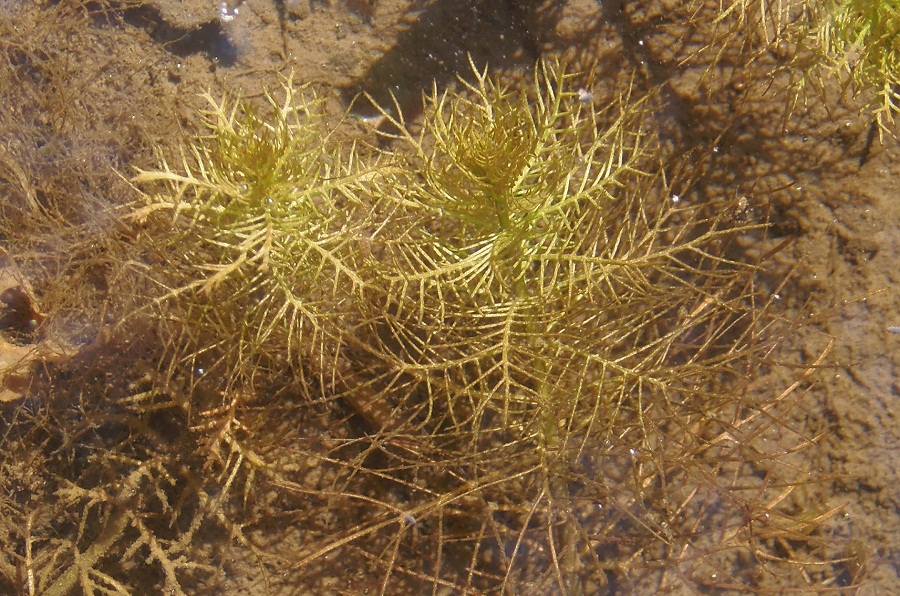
column 852, row 43
column 506, row 354
column 252, row 242
column 566, row 342
column 858, row 43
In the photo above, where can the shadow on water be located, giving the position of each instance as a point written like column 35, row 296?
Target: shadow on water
column 435, row 48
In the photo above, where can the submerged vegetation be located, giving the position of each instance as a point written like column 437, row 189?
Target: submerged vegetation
column 853, row 44
column 503, row 350
column 252, row 245
column 859, row 43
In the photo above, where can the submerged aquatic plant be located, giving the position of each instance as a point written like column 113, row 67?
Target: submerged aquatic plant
column 249, row 242
column 564, row 347
column 858, row 41
column 550, row 351
column 855, row 43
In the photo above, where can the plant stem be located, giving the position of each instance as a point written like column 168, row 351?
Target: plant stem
column 552, row 450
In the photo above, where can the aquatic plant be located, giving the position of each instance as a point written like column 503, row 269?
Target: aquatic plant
column 554, row 317
column 252, row 243
column 851, row 42
column 546, row 345
column 858, row 43
column 505, row 354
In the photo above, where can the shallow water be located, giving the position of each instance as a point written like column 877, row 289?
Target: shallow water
column 134, row 73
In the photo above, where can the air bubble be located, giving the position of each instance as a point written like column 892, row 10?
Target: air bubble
column 226, row 14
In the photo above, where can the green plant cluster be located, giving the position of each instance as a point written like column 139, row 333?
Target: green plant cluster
column 253, row 243
column 854, row 43
column 859, row 41
column 546, row 349
column 499, row 351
